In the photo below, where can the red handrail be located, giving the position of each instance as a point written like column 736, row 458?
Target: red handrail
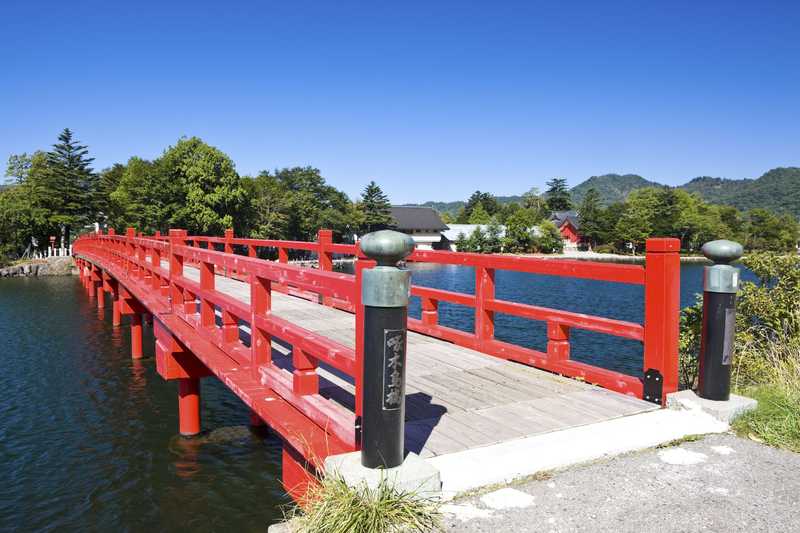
column 660, row 277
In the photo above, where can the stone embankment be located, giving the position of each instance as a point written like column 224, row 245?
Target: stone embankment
column 52, row 266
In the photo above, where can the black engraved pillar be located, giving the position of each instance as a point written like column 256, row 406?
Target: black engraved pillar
column 385, row 292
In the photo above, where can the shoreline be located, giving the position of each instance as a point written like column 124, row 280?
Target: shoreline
column 611, row 258
column 52, row 266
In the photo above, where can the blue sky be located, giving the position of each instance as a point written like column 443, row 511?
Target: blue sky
column 431, row 99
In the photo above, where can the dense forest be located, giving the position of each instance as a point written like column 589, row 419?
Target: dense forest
column 195, row 186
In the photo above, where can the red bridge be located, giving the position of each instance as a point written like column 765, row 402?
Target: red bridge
column 288, row 340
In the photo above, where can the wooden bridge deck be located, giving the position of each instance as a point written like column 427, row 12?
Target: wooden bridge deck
column 457, row 398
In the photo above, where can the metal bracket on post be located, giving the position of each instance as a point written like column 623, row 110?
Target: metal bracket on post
column 653, row 386
column 385, row 292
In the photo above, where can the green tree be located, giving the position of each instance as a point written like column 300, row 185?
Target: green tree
column 558, row 197
column 519, row 227
column 767, row 231
column 479, row 216
column 477, row 241
column 108, row 181
column 666, row 212
column 591, row 212
column 212, row 190
column 267, row 216
column 462, row 245
column 506, row 210
column 493, row 243
column 16, row 226
column 484, row 199
column 74, row 182
column 18, row 167
column 549, row 239
column 312, row 204
column 376, row 208
column 147, row 198
column 634, row 227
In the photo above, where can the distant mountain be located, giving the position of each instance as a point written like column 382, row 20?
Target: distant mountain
column 611, row 187
column 778, row 190
column 454, row 207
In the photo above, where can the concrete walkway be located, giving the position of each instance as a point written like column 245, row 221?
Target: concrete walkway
column 719, row 483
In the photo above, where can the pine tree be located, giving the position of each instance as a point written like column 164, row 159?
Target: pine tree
column 479, row 215
column 73, row 180
column 477, row 241
column 558, row 197
column 590, row 212
column 494, row 243
column 462, row 244
column 376, row 207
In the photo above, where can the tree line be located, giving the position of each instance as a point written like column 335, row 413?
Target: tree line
column 191, row 185
column 621, row 227
column 195, row 186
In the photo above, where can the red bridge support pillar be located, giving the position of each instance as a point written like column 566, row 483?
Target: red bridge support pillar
column 116, row 315
column 189, row 406
column 101, row 296
column 136, row 336
column 176, row 362
column 93, row 283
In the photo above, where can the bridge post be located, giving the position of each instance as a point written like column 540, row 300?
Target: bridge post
column 661, row 318
column 189, row 406
column 103, row 287
column 384, row 294
column 116, row 309
column 136, row 335
column 720, row 285
column 229, row 250
column 325, row 257
column 484, row 319
column 130, row 234
column 93, row 282
column 177, row 237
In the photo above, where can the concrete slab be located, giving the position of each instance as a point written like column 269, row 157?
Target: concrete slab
column 501, row 463
column 415, row 474
column 723, row 411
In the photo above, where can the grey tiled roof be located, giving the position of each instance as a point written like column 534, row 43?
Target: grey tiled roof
column 417, row 218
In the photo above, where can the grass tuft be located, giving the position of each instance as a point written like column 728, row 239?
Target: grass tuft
column 776, row 420
column 334, row 507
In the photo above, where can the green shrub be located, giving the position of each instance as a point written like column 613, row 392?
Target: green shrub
column 335, row 507
column 768, row 314
column 605, row 249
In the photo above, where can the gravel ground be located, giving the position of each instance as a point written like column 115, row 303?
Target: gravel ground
column 719, row 483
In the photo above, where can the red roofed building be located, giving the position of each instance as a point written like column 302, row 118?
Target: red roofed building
column 568, row 224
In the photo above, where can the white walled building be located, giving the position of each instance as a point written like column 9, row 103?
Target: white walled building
column 422, row 223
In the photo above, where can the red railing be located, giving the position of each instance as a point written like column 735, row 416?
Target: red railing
column 660, row 277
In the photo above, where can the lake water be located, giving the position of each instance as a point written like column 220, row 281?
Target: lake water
column 88, row 436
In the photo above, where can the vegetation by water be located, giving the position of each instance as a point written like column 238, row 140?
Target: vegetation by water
column 767, row 359
column 335, row 507
column 623, row 227
column 191, row 185
column 196, row 187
